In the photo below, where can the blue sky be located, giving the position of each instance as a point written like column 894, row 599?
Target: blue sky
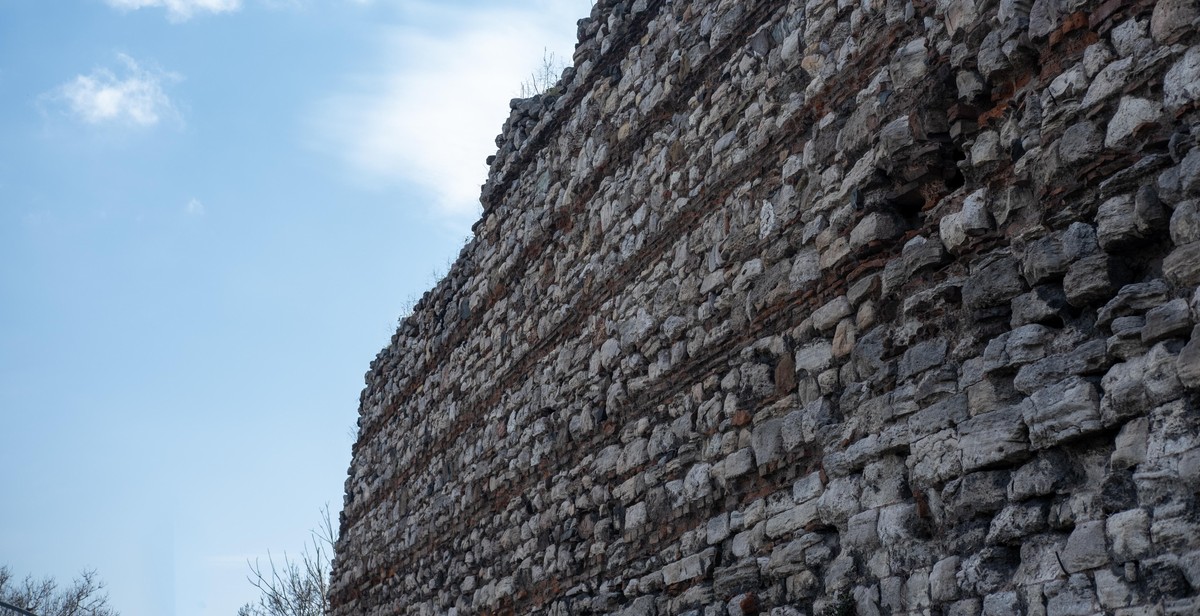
column 211, row 214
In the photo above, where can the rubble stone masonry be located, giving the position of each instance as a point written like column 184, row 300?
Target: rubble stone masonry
column 824, row 308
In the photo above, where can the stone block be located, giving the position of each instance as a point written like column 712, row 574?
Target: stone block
column 1130, row 445
column 1170, row 19
column 689, row 568
column 1017, row 521
column 1080, row 143
column 1182, row 265
column 1133, row 115
column 921, row 357
column 697, row 484
column 1108, row 82
column 767, row 441
column 1133, row 299
column 935, row 458
column 1075, row 597
column 1065, row 410
column 876, row 226
column 1093, row 279
column 1129, row 534
column 992, row 438
column 1181, row 85
column 1117, row 224
column 943, row 583
column 827, row 317
column 815, row 357
column 1187, row 365
column 993, row 283
column 861, row 534
column 1042, row 304
column 791, row 520
column 975, row 495
column 1006, row 603
column 1087, row 358
column 1134, row 387
column 840, row 500
column 1086, row 548
column 1170, row 320
column 1185, row 223
column 717, row 529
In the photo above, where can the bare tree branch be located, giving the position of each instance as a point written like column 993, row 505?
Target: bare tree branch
column 84, row 597
column 295, row 587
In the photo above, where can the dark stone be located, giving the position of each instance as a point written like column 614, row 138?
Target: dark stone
column 1094, row 278
column 995, row 282
column 1118, row 492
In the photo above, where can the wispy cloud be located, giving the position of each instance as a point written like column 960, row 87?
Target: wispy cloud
column 194, row 207
column 179, row 10
column 134, row 97
column 430, row 113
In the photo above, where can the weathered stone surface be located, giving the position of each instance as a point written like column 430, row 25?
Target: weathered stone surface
column 787, row 308
column 1017, row 521
column 1181, row 85
column 993, row 283
column 1188, row 363
column 1086, row 548
column 1065, row 410
column 990, row 438
column 1093, row 279
column 1133, row 115
column 1171, row 19
column 1182, row 266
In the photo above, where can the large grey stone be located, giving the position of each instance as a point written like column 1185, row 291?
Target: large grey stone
column 935, row 458
column 1094, row 278
column 1129, row 534
column 1109, row 81
column 943, row 585
column 1133, row 115
column 1172, row 19
column 1172, row 319
column 1080, row 143
column 1134, row 387
column 1187, row 364
column 1185, row 223
column 1086, row 548
column 992, row 438
column 1182, row 266
column 826, row 317
column 689, row 568
column 1133, row 299
column 767, row 441
column 1017, row 521
column 995, row 282
column 1181, row 85
column 1042, row 304
column 922, row 357
column 814, row 357
column 1065, row 410
column 1090, row 357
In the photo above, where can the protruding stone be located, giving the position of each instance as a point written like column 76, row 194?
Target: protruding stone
column 1063, row 411
column 1095, row 278
column 1133, row 114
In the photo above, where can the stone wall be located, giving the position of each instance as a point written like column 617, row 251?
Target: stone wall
column 826, row 307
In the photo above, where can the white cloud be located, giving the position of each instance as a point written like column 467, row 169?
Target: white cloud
column 194, row 207
column 135, row 97
column 429, row 115
column 179, row 10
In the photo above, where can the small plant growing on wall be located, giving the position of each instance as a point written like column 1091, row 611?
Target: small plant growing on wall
column 544, row 79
